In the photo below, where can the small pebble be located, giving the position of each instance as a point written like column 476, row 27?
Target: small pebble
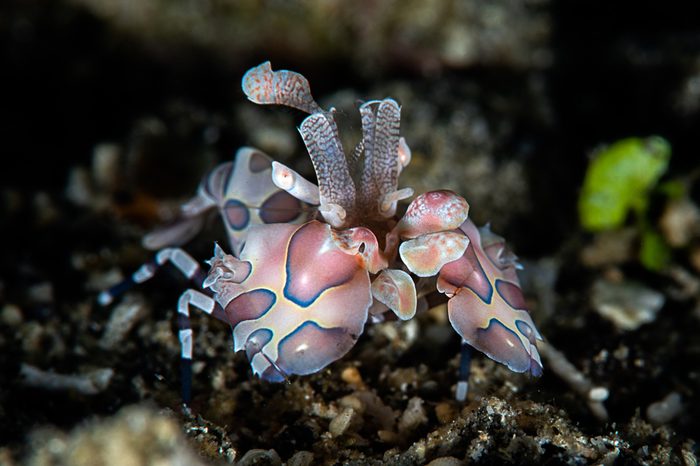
column 78, row 189
column 106, row 158
column 445, row 412
column 414, row 415
column 340, row 424
column 387, row 436
column 301, row 458
column 351, row 401
column 446, row 461
column 41, row 292
column 680, row 222
column 11, row 315
column 628, row 305
column 260, row 457
column 352, row 376
column 598, row 394
column 122, row 319
column 666, row 409
column 89, row 383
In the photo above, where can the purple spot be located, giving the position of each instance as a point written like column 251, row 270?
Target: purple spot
column 256, row 341
column 217, row 180
column 258, row 162
column 526, row 330
column 249, row 306
column 511, row 294
column 477, row 281
column 236, row 214
column 502, row 345
column 310, row 348
column 271, row 374
column 281, row 207
column 311, row 268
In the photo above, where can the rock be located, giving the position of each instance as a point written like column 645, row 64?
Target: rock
column 123, row 318
column 352, row 377
column 446, row 461
column 627, row 304
column 340, row 424
column 445, row 412
column 665, row 410
column 11, row 315
column 413, row 416
column 89, row 383
column 260, row 457
column 301, row 458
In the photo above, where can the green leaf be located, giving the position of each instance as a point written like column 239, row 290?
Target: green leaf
column 620, row 178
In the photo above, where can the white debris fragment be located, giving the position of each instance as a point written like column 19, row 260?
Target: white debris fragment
column 627, row 304
column 414, row 415
column 340, row 424
column 79, row 188
column 90, row 383
column 122, row 320
column 680, row 222
column 106, row 158
column 41, row 293
column 665, row 410
column 11, row 315
column 259, row 456
column 598, row 394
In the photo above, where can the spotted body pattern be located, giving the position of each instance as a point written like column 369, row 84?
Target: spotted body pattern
column 310, row 263
column 486, row 306
column 281, row 317
column 243, row 193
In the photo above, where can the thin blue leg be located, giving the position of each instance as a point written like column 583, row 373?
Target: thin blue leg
column 465, row 364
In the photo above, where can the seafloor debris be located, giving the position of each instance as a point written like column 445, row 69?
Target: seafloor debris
column 11, row 315
column 414, row 416
column 122, row 320
column 89, row 383
column 626, row 304
column 93, row 188
column 260, row 457
column 137, row 436
column 680, row 222
column 664, row 410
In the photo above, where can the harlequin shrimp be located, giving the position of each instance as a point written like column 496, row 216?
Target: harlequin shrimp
column 311, row 263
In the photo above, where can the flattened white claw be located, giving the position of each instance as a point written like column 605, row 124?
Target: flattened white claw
column 427, row 254
column 396, row 290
